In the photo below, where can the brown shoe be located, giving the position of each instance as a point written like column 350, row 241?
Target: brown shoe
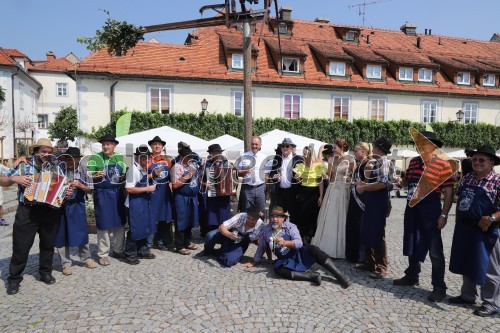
column 89, row 263
column 104, row 261
column 68, row 270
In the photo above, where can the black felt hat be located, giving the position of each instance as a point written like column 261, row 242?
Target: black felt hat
column 156, row 139
column 431, row 136
column 142, row 150
column 109, row 137
column 215, row 148
column 73, row 151
column 487, row 150
column 383, row 144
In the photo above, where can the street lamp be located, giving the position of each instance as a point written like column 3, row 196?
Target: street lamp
column 460, row 116
column 204, row 105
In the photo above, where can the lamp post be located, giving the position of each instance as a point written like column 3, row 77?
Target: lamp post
column 460, row 116
column 204, row 105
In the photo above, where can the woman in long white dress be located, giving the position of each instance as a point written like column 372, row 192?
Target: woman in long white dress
column 330, row 233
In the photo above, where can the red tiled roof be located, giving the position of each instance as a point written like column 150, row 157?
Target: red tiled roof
column 5, row 59
column 482, row 66
column 233, row 41
column 204, row 59
column 401, row 57
column 288, row 46
column 453, row 63
column 15, row 53
column 330, row 50
column 56, row 65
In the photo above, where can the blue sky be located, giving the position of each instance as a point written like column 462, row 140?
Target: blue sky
column 37, row 26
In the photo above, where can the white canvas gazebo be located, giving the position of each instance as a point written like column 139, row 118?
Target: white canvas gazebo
column 225, row 141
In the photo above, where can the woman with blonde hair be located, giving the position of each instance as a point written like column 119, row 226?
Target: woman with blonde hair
column 353, row 251
column 330, row 234
column 310, row 193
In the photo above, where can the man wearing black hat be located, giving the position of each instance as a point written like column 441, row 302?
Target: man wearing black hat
column 376, row 190
column 73, row 228
column 466, row 163
column 108, row 171
column 283, row 177
column 475, row 251
column 424, row 217
column 161, row 199
column 218, row 205
column 141, row 218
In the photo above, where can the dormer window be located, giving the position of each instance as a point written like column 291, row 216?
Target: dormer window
column 237, row 61
column 290, row 65
column 425, row 75
column 489, row 80
column 283, row 29
column 350, row 36
column 463, row 78
column 405, row 74
column 373, row 72
column 337, row 68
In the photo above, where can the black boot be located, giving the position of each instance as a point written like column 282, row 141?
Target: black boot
column 306, row 276
column 330, row 266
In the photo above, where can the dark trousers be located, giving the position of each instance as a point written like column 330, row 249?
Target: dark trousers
column 135, row 247
column 286, row 198
column 376, row 258
column 29, row 221
column 182, row 238
column 319, row 256
column 437, row 260
column 251, row 196
column 308, row 210
column 353, row 232
column 163, row 233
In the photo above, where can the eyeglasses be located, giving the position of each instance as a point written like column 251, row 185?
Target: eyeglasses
column 479, row 160
column 285, row 146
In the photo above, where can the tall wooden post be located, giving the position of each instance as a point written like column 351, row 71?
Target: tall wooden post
column 247, row 84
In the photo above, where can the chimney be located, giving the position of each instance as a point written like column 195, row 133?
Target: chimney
column 368, row 39
column 285, row 13
column 419, row 40
column 409, row 29
column 430, row 32
column 425, row 32
column 495, row 37
column 439, row 43
column 50, row 56
column 321, row 20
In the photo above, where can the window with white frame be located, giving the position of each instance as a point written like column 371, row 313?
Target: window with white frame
column 463, row 78
column 159, row 100
column 43, row 121
column 489, row 80
column 470, row 113
column 429, row 111
column 21, row 96
column 290, row 65
column 425, row 75
column 238, row 102
column 373, row 72
column 62, row 89
column 291, row 106
column 406, row 74
column 341, row 107
column 237, row 61
column 283, row 28
column 337, row 68
column 378, row 108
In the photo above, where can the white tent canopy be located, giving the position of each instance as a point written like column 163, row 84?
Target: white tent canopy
column 171, row 135
column 271, row 139
column 457, row 154
column 225, row 141
column 405, row 153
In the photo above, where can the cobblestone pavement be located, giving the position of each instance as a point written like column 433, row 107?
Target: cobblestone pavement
column 175, row 293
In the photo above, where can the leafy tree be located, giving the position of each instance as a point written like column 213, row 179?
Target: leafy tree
column 2, row 94
column 117, row 36
column 65, row 126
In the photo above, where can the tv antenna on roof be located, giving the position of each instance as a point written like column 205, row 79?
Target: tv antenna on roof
column 362, row 7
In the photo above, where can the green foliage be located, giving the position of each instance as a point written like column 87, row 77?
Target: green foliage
column 210, row 126
column 117, row 36
column 65, row 126
column 2, row 94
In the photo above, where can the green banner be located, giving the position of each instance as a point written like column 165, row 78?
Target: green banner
column 123, row 124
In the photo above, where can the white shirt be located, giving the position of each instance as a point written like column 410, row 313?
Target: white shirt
column 134, row 176
column 237, row 222
column 258, row 162
column 285, row 172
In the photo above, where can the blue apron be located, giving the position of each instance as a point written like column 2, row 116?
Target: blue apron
column 141, row 221
column 471, row 247
column 186, row 204
column 73, row 230
column 161, row 198
column 420, row 223
column 109, row 199
column 295, row 259
column 374, row 218
column 232, row 251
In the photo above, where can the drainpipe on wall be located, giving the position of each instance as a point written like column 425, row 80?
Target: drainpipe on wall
column 112, row 98
column 13, row 112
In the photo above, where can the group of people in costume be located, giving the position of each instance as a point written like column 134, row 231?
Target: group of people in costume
column 324, row 205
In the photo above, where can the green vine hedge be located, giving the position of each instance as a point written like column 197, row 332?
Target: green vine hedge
column 211, row 126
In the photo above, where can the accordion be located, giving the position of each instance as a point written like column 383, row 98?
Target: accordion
column 47, row 187
column 222, row 181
